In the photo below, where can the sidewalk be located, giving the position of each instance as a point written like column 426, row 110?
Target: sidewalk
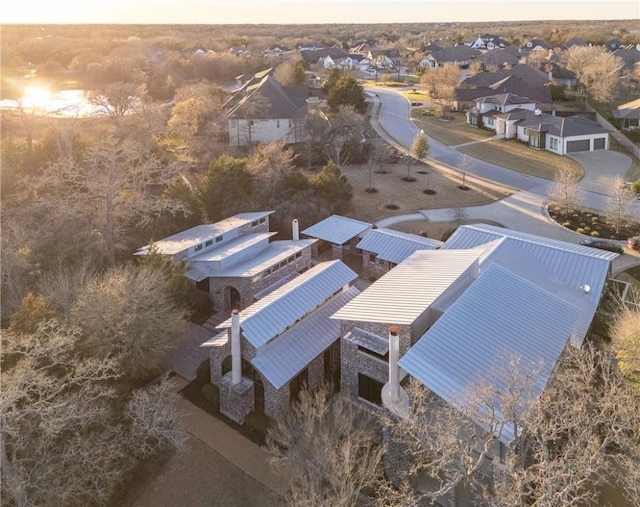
column 231, row 445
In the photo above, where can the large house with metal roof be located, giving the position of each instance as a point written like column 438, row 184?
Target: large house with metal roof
column 263, row 111
column 233, row 261
column 486, row 294
column 266, row 353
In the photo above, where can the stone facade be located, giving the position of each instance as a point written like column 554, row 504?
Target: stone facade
column 236, row 400
column 247, row 287
column 354, row 361
column 276, row 401
column 374, row 269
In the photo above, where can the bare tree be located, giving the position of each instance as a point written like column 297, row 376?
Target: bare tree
column 441, row 83
column 566, row 191
column 582, row 433
column 327, row 451
column 116, row 100
column 198, row 109
column 100, row 199
column 377, row 149
column 466, row 166
column 459, row 215
column 625, row 336
column 128, row 314
column 597, row 69
column 619, row 202
column 345, row 135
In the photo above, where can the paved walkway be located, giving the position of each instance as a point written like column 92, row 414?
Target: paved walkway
column 228, row 443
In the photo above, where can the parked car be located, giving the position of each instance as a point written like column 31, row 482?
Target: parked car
column 634, row 243
column 602, row 244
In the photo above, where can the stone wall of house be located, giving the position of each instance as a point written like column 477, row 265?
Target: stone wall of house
column 354, row 361
column 276, row 401
column 247, row 287
column 336, row 251
column 374, row 269
column 237, row 400
column 316, row 373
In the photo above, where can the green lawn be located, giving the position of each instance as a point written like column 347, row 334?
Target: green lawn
column 520, row 157
column 506, row 153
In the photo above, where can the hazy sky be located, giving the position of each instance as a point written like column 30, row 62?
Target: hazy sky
column 309, row 11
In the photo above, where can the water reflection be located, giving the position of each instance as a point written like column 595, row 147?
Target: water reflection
column 65, row 103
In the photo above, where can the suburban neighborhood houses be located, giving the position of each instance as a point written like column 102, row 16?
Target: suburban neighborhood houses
column 341, row 264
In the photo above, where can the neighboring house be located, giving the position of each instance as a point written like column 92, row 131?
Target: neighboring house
column 630, row 56
column 338, row 233
column 575, row 42
column 521, row 79
column 497, row 59
column 515, row 117
column 238, row 51
column 385, row 58
column 614, row 44
column 488, row 42
column 275, row 51
column 263, row 111
column 628, row 114
column 559, row 75
column 312, row 46
column 317, row 57
column 461, row 56
column 233, row 261
column 535, row 45
column 382, row 249
column 459, row 315
column 265, row 354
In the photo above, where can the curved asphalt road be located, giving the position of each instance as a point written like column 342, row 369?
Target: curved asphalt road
column 600, row 166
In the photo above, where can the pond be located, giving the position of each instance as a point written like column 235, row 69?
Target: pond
column 64, row 103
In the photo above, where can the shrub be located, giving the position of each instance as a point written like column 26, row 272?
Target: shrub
column 566, row 224
column 587, row 229
column 580, row 230
column 595, row 233
column 594, row 220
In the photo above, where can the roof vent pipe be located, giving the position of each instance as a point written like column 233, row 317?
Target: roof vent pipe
column 236, row 352
column 295, row 230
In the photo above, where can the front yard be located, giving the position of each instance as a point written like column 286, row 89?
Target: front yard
column 503, row 152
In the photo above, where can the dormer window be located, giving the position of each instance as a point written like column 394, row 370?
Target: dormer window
column 209, row 242
column 198, row 247
column 218, row 239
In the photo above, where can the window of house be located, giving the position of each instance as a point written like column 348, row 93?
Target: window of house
column 298, row 255
column 234, row 124
column 369, row 389
column 290, row 124
column 555, row 143
column 219, row 239
column 209, row 242
column 254, row 223
column 263, row 220
column 197, row 248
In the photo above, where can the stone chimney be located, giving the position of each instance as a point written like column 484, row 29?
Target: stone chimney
column 236, row 352
column 295, row 230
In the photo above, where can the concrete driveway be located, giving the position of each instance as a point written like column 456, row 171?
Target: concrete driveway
column 600, row 168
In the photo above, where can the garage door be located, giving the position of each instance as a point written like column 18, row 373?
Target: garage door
column 573, row 146
column 598, row 144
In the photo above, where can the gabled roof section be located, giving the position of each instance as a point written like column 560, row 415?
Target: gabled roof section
column 281, row 360
column 405, row 292
column 337, row 229
column 200, row 233
column 272, row 315
column 275, row 253
column 498, row 57
column 561, row 126
column 506, row 99
column 276, row 100
column 460, row 53
column 497, row 320
column 630, row 110
column 578, row 267
column 395, row 246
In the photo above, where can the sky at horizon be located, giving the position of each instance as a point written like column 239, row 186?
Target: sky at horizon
column 311, row 11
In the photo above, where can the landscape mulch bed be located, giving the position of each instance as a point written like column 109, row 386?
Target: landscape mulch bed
column 192, row 393
column 594, row 224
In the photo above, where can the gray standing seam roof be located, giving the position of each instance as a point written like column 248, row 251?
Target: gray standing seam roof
column 273, row 314
column 337, row 229
column 395, row 246
column 285, row 357
column 497, row 319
